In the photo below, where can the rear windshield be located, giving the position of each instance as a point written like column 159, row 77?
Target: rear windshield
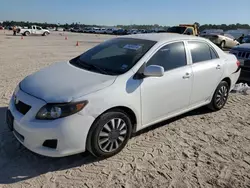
column 113, row 57
column 179, row 30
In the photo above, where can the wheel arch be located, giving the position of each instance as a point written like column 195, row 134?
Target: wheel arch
column 128, row 111
column 228, row 80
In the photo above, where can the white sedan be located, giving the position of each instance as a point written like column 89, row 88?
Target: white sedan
column 97, row 100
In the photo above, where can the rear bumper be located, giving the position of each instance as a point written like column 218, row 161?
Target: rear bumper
column 235, row 77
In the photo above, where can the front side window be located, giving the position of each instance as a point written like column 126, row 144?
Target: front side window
column 170, row 56
column 115, row 56
column 201, row 51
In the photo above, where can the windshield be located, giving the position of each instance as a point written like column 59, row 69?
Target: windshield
column 179, row 30
column 113, row 57
column 246, row 39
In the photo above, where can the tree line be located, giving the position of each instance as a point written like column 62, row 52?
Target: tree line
column 224, row 27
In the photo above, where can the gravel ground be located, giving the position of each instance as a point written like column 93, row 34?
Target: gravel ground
column 198, row 149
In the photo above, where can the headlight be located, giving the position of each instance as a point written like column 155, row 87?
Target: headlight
column 55, row 111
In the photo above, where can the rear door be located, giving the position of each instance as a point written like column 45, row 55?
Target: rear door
column 207, row 69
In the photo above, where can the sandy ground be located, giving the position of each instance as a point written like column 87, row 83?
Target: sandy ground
column 198, row 149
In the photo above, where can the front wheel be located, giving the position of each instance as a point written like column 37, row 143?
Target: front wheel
column 222, row 44
column 220, row 96
column 27, row 33
column 109, row 134
column 45, row 33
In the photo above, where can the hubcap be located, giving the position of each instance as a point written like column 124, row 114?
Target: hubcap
column 221, row 96
column 112, row 135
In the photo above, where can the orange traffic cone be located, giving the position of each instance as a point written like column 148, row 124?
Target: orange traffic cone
column 66, row 38
column 21, row 37
column 77, row 43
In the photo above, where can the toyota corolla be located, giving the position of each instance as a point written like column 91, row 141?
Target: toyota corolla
column 97, row 100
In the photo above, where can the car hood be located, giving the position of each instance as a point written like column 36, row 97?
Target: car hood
column 245, row 46
column 63, row 82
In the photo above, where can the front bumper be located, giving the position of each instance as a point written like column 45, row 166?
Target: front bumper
column 69, row 132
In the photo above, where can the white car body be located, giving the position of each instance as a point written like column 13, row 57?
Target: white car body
column 133, row 31
column 111, row 30
column 152, row 99
column 101, row 31
column 35, row 30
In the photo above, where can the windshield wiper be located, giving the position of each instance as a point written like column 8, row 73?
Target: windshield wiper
column 91, row 66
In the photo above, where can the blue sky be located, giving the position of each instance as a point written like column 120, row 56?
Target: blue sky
column 113, row 12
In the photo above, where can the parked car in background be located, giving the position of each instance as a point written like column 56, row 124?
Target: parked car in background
column 94, row 29
column 86, row 30
column 246, row 39
column 110, row 31
column 209, row 31
column 237, row 33
column 142, row 31
column 60, row 29
column 76, row 30
column 101, row 31
column 1, row 27
column 120, row 32
column 222, row 40
column 144, row 79
column 132, row 31
column 187, row 29
column 242, row 52
column 34, row 30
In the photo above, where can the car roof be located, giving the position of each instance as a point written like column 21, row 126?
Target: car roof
column 160, row 37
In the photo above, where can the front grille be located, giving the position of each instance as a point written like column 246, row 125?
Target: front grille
column 22, row 107
column 244, row 55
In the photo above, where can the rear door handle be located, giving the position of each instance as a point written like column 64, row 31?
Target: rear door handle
column 186, row 76
column 218, row 67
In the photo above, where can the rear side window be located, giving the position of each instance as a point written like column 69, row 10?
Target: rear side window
column 213, row 54
column 189, row 31
column 170, row 56
column 201, row 51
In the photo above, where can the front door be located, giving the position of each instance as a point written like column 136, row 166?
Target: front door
column 207, row 69
column 166, row 95
column 39, row 31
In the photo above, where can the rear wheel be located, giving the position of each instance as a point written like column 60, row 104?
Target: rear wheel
column 109, row 134
column 45, row 33
column 220, row 96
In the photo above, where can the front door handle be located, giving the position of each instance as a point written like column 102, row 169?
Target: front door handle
column 186, row 76
column 218, row 67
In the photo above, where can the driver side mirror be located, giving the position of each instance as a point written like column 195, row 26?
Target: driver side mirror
column 153, row 71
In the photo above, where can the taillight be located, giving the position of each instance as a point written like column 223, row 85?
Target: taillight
column 238, row 63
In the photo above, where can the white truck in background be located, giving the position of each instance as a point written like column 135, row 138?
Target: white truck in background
column 33, row 30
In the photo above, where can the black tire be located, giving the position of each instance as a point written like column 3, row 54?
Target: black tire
column 45, row 34
column 222, row 44
column 26, row 33
column 220, row 96
column 98, row 131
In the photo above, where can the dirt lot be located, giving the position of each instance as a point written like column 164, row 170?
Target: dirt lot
column 199, row 149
